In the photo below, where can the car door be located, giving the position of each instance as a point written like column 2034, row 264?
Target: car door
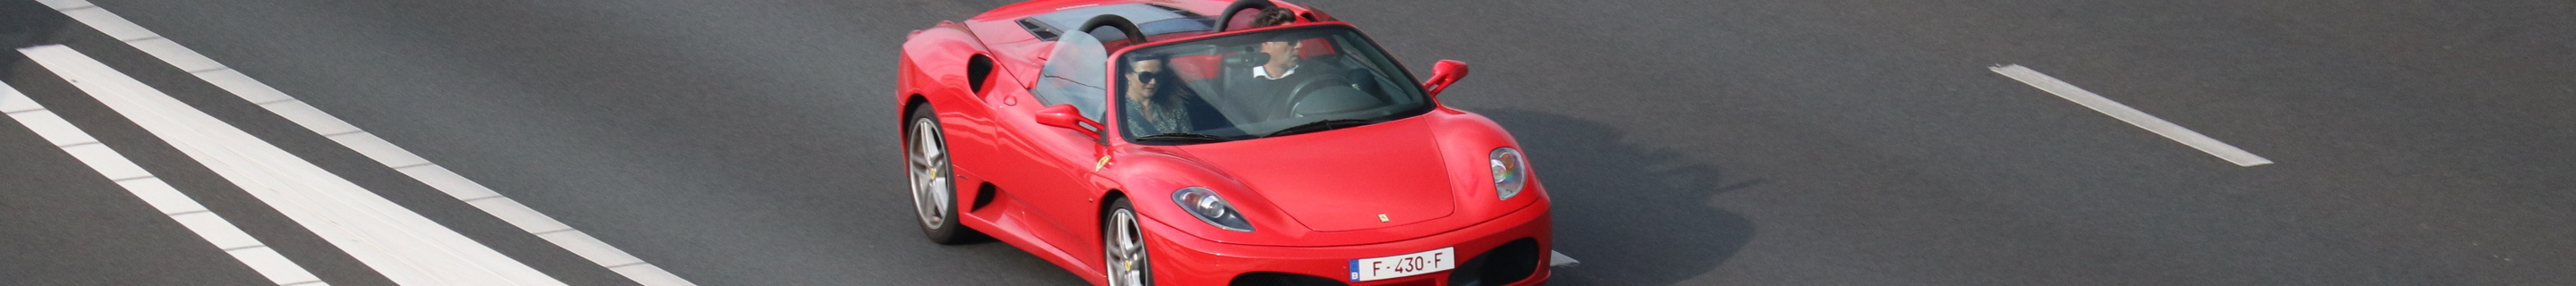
column 1053, row 164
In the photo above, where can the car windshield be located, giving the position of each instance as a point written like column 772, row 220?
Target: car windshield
column 1269, row 83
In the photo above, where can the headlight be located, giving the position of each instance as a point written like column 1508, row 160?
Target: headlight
column 1510, row 172
column 1204, row 204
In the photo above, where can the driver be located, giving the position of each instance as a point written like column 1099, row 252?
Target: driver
column 1262, row 88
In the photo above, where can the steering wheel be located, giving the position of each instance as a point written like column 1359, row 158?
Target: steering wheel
column 1298, row 93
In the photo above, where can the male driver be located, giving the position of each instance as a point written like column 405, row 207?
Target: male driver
column 1283, row 52
column 1259, row 91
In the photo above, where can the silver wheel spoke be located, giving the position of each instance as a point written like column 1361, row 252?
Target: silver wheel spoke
column 1125, row 248
column 928, row 173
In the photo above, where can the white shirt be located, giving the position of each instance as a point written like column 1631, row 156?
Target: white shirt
column 1263, row 72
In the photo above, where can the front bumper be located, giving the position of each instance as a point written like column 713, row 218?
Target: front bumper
column 1181, row 259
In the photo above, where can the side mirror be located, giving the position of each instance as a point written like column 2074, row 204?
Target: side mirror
column 1443, row 74
column 1065, row 116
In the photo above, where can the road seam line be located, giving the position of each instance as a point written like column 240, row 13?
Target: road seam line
column 374, row 147
column 395, row 241
column 2131, row 115
column 165, row 199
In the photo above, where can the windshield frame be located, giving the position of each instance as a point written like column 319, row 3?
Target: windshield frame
column 1408, row 82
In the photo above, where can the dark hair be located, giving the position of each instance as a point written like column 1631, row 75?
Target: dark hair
column 1273, row 16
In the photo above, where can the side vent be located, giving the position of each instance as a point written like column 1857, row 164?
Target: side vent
column 979, row 72
column 983, row 196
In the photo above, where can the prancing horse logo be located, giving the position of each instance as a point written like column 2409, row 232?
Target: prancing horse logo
column 1381, row 218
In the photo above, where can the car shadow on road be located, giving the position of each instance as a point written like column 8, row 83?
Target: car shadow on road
column 26, row 23
column 1634, row 215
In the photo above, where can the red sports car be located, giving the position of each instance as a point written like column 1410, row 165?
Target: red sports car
column 1143, row 142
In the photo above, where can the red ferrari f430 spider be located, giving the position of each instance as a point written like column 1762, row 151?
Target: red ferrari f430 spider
column 1210, row 142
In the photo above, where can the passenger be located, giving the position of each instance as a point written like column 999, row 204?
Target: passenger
column 1156, row 99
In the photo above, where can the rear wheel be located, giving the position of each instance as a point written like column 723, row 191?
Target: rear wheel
column 1124, row 244
column 934, row 193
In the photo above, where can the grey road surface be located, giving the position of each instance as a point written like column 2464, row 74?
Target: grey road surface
column 1838, row 142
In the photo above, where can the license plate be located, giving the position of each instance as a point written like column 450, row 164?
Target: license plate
column 1369, row 269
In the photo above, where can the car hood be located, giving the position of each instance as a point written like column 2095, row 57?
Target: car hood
column 1376, row 176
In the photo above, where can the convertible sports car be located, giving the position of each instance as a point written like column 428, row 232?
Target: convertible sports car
column 1143, row 142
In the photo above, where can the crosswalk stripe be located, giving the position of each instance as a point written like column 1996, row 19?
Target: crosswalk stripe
column 240, row 85
column 397, row 242
column 160, row 195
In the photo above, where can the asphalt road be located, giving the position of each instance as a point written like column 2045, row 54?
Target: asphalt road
column 1839, row 142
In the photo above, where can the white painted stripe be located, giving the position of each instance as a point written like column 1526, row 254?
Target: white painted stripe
column 216, row 230
column 404, row 246
column 98, row 156
column 1558, row 259
column 65, row 4
column 11, row 101
column 2131, row 115
column 275, row 266
column 58, row 136
column 242, row 86
column 109, row 23
column 386, row 153
column 163, row 198
column 590, row 247
column 169, row 51
column 304, row 114
column 363, row 142
column 447, row 181
column 647, row 274
column 519, row 215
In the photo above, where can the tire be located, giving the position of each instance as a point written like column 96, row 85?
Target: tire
column 934, row 190
column 1119, row 225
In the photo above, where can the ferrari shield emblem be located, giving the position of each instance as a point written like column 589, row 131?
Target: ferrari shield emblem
column 1381, row 218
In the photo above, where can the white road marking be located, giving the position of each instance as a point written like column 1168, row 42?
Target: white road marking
column 404, row 246
column 206, row 224
column 121, row 30
column 1558, row 259
column 439, row 177
column 2131, row 115
column 185, row 59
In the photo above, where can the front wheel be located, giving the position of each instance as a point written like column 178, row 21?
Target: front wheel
column 1124, row 244
column 934, row 194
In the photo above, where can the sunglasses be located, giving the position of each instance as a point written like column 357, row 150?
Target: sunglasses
column 1149, row 76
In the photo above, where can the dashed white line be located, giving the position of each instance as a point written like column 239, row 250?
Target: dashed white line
column 2131, row 115
column 403, row 245
column 163, row 198
column 582, row 244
